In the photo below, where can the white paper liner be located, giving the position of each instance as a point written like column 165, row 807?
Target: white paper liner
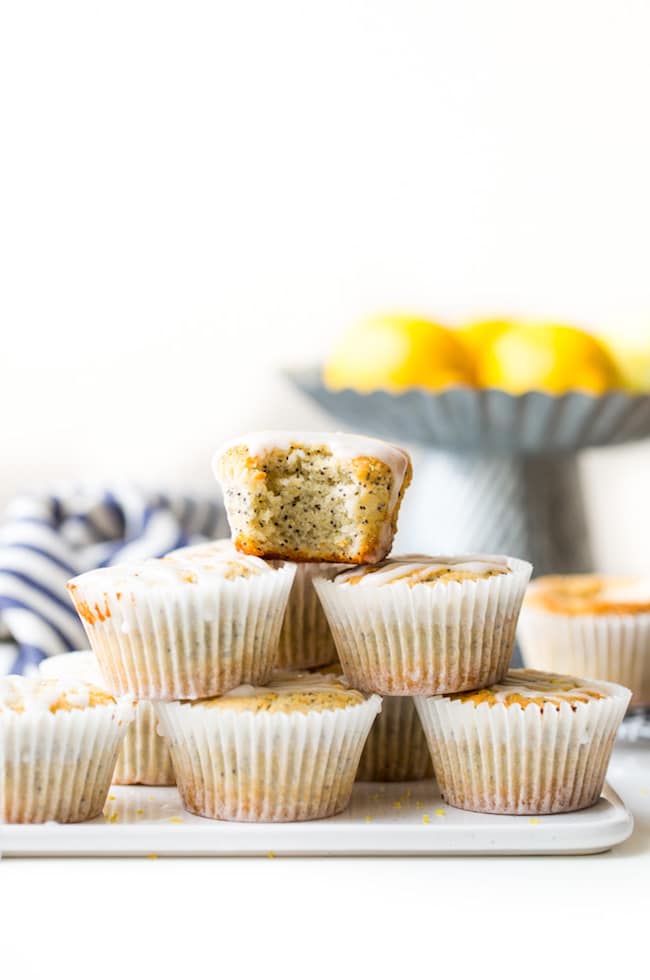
column 396, row 749
column 499, row 759
column 59, row 765
column 486, row 420
column 305, row 638
column 144, row 757
column 189, row 642
column 403, row 640
column 266, row 767
column 606, row 647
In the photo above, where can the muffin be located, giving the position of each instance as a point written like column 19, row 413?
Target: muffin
column 171, row 628
column 312, row 496
column 592, row 626
column 396, row 750
column 207, row 549
column 286, row 751
column 535, row 743
column 144, row 757
column 59, row 742
column 305, row 638
column 422, row 625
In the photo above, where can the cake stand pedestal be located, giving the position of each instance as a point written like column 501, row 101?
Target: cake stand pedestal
column 500, row 472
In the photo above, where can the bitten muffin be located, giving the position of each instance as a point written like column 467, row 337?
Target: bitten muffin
column 173, row 628
column 425, row 625
column 312, row 496
column 592, row 626
column 286, row 751
column 535, row 743
column 59, row 742
column 305, row 638
column 396, row 750
column 144, row 757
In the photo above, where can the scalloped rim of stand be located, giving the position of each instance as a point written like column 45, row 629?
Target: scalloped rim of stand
column 467, row 419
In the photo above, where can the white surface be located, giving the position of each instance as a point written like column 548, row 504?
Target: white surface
column 337, row 917
column 198, row 193
column 402, row 818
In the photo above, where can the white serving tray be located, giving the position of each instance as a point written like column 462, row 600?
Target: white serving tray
column 383, row 818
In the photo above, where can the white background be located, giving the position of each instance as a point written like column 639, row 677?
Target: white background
column 195, row 195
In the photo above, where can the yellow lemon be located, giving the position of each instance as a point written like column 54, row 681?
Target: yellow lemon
column 632, row 357
column 480, row 334
column 395, row 352
column 547, row 357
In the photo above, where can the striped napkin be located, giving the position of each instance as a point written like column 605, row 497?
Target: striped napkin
column 45, row 539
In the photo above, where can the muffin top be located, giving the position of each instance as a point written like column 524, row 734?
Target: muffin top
column 425, row 570
column 335, row 668
column 208, row 549
column 128, row 580
column 343, row 445
column 81, row 664
column 286, row 692
column 576, row 595
column 524, row 686
column 49, row 694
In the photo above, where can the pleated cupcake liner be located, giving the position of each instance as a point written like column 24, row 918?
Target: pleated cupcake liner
column 396, row 749
column 486, row 420
column 606, row 647
column 402, row 640
column 192, row 642
column 144, row 757
column 305, row 638
column 509, row 759
column 266, row 767
column 59, row 765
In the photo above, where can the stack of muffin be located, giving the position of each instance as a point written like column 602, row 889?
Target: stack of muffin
column 258, row 667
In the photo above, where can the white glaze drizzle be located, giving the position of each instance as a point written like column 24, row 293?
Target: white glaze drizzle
column 39, row 694
column 172, row 572
column 205, row 550
column 78, row 664
column 539, row 684
column 419, row 567
column 290, row 682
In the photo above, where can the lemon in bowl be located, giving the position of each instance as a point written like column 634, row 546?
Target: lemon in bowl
column 553, row 358
column 395, row 352
column 477, row 335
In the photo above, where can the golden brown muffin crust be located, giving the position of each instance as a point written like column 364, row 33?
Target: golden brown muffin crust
column 584, row 595
column 526, row 686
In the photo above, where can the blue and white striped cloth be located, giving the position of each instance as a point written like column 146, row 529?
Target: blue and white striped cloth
column 45, row 539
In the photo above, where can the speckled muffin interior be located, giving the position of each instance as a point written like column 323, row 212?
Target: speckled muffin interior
column 307, row 504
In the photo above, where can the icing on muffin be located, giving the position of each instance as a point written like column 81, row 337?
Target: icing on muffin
column 312, row 496
column 577, row 595
column 47, row 694
column 289, row 692
column 78, row 664
column 524, row 686
column 425, row 570
column 208, row 549
column 128, row 579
